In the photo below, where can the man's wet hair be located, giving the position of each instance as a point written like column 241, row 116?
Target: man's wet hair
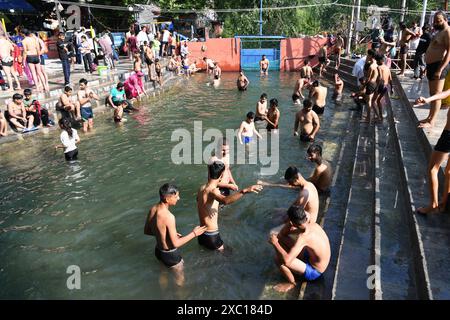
column 441, row 13
column 83, row 81
column 250, row 115
column 307, row 103
column 371, row 52
column 67, row 89
column 17, row 96
column 379, row 58
column 274, row 102
column 297, row 215
column 27, row 92
column 264, row 95
column 291, row 173
column 120, row 85
column 166, row 190
column 315, row 148
column 315, row 83
column 216, row 169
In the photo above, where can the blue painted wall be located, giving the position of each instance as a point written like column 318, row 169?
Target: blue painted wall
column 250, row 58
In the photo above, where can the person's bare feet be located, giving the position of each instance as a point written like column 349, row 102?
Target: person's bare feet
column 425, row 125
column 284, row 287
column 428, row 210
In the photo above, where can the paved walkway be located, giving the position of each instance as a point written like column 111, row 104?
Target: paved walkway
column 56, row 78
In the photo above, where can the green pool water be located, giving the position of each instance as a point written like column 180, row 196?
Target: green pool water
column 91, row 213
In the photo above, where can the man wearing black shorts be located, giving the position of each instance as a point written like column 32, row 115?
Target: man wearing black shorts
column 208, row 199
column 161, row 224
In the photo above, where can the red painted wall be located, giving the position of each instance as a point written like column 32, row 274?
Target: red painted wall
column 224, row 51
column 294, row 51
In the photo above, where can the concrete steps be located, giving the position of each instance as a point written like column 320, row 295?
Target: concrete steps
column 355, row 252
column 430, row 235
column 333, row 217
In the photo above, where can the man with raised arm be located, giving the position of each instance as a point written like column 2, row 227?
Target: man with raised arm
column 208, row 199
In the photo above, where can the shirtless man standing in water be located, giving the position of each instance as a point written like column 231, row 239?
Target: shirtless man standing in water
column 437, row 58
column 161, row 224
column 264, row 65
column 31, row 54
column 208, row 199
column 306, row 72
column 309, row 122
column 318, row 95
column 261, row 108
column 242, row 82
column 299, row 85
column 273, row 116
column 308, row 197
column 322, row 175
column 6, row 55
column 338, row 87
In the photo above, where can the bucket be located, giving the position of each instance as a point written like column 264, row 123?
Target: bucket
column 102, row 71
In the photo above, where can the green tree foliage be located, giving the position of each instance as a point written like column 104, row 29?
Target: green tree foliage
column 289, row 22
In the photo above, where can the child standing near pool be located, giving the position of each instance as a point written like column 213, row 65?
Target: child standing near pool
column 69, row 139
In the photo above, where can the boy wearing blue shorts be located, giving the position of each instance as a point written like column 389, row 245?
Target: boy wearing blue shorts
column 85, row 96
column 301, row 247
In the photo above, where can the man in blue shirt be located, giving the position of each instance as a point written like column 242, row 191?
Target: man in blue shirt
column 117, row 99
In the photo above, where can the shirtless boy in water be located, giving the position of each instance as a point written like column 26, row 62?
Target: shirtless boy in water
column 208, row 199
column 299, row 85
column 247, row 128
column 308, row 121
column 301, row 247
column 242, row 82
column 306, row 72
column 308, row 196
column 227, row 183
column 264, row 65
column 318, row 94
column 322, row 174
column 161, row 224
column 261, row 108
column 338, row 87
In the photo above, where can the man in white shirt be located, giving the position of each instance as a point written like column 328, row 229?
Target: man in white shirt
column 164, row 42
column 358, row 69
column 184, row 50
column 142, row 36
